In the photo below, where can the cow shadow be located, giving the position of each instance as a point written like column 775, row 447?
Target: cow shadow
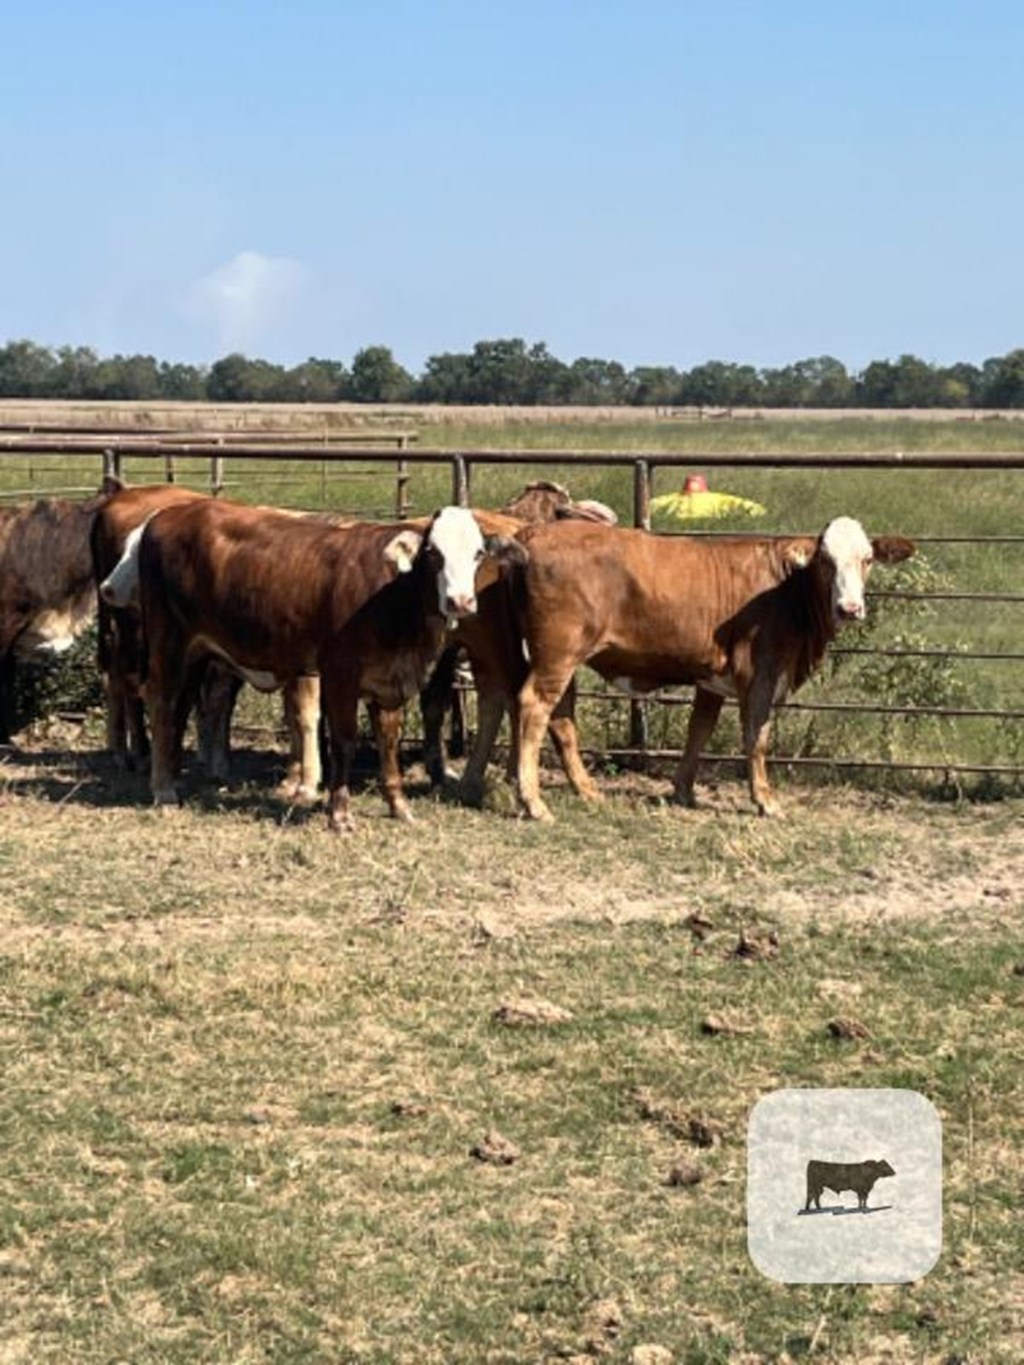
column 837, row 1210
column 92, row 778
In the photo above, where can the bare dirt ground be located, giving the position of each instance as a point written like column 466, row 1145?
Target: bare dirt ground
column 838, row 854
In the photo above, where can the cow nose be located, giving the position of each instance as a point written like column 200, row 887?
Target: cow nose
column 463, row 605
column 851, row 611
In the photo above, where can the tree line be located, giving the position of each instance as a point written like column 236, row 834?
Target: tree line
column 511, row 371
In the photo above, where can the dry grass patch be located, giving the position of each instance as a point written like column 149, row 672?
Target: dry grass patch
column 245, row 1065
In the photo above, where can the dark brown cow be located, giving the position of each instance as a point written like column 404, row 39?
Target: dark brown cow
column 47, row 594
column 120, row 643
column 491, row 640
column 749, row 618
column 278, row 597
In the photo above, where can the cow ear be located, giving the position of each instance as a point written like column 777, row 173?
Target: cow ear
column 402, row 550
column 506, row 551
column 892, row 549
column 798, row 553
column 589, row 509
column 111, row 484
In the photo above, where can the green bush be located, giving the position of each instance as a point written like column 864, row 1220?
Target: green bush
column 70, row 682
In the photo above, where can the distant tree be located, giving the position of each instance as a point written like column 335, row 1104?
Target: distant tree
column 237, row 379
column 447, row 378
column 26, row 370
column 820, row 382
column 75, row 373
column 1002, row 382
column 876, row 387
column 959, row 386
column 129, row 377
column 501, row 372
column 185, row 383
column 906, row 383
column 720, row 384
column 315, row 381
column 377, row 377
column 654, row 385
column 597, row 382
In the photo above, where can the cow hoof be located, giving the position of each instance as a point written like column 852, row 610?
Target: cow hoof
column 592, row 794
column 471, row 792
column 341, row 824
column 297, row 794
column 166, row 798
column 400, row 811
column 769, row 809
column 683, row 796
column 537, row 810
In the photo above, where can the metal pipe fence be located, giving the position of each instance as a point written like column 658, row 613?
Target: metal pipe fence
column 221, row 457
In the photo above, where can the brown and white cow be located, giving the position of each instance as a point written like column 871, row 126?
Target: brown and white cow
column 47, row 594
column 491, row 640
column 745, row 618
column 116, row 532
column 276, row 597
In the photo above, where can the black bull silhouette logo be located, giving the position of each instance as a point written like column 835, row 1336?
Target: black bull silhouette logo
column 859, row 1176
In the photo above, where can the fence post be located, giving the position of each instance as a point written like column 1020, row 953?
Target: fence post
column 112, row 464
column 216, row 475
column 402, row 483
column 460, row 481
column 641, row 519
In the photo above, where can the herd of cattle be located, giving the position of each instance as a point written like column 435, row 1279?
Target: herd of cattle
column 197, row 595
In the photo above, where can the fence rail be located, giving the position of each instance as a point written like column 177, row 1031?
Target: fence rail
column 222, row 449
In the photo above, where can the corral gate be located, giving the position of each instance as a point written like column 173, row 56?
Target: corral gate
column 113, row 450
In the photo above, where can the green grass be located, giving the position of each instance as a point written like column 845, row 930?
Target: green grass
column 245, row 1063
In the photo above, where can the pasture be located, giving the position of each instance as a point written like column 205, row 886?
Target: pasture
column 246, row 1064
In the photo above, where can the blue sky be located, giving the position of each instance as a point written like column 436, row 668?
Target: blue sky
column 640, row 180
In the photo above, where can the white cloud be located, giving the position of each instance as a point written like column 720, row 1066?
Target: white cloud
column 247, row 298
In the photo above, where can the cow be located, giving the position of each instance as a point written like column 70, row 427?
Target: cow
column 115, row 535
column 858, row 1176
column 119, row 643
column 47, row 594
column 749, row 618
column 491, row 641
column 367, row 607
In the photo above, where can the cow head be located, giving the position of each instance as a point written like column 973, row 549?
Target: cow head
column 454, row 548
column 881, row 1168
column 842, row 560
column 120, row 588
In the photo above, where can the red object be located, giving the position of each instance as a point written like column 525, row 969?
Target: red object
column 695, row 483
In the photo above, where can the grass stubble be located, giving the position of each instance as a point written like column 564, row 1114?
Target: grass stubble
column 245, row 1064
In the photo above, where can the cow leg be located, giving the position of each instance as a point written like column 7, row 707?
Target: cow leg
column 218, row 692
column 165, row 687
column 387, row 726
column 340, row 701
column 539, row 696
column 7, row 667
column 707, row 707
column 117, row 718
column 138, row 734
column 562, row 728
column 490, row 711
column 302, row 715
column 755, row 717
column 435, row 701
